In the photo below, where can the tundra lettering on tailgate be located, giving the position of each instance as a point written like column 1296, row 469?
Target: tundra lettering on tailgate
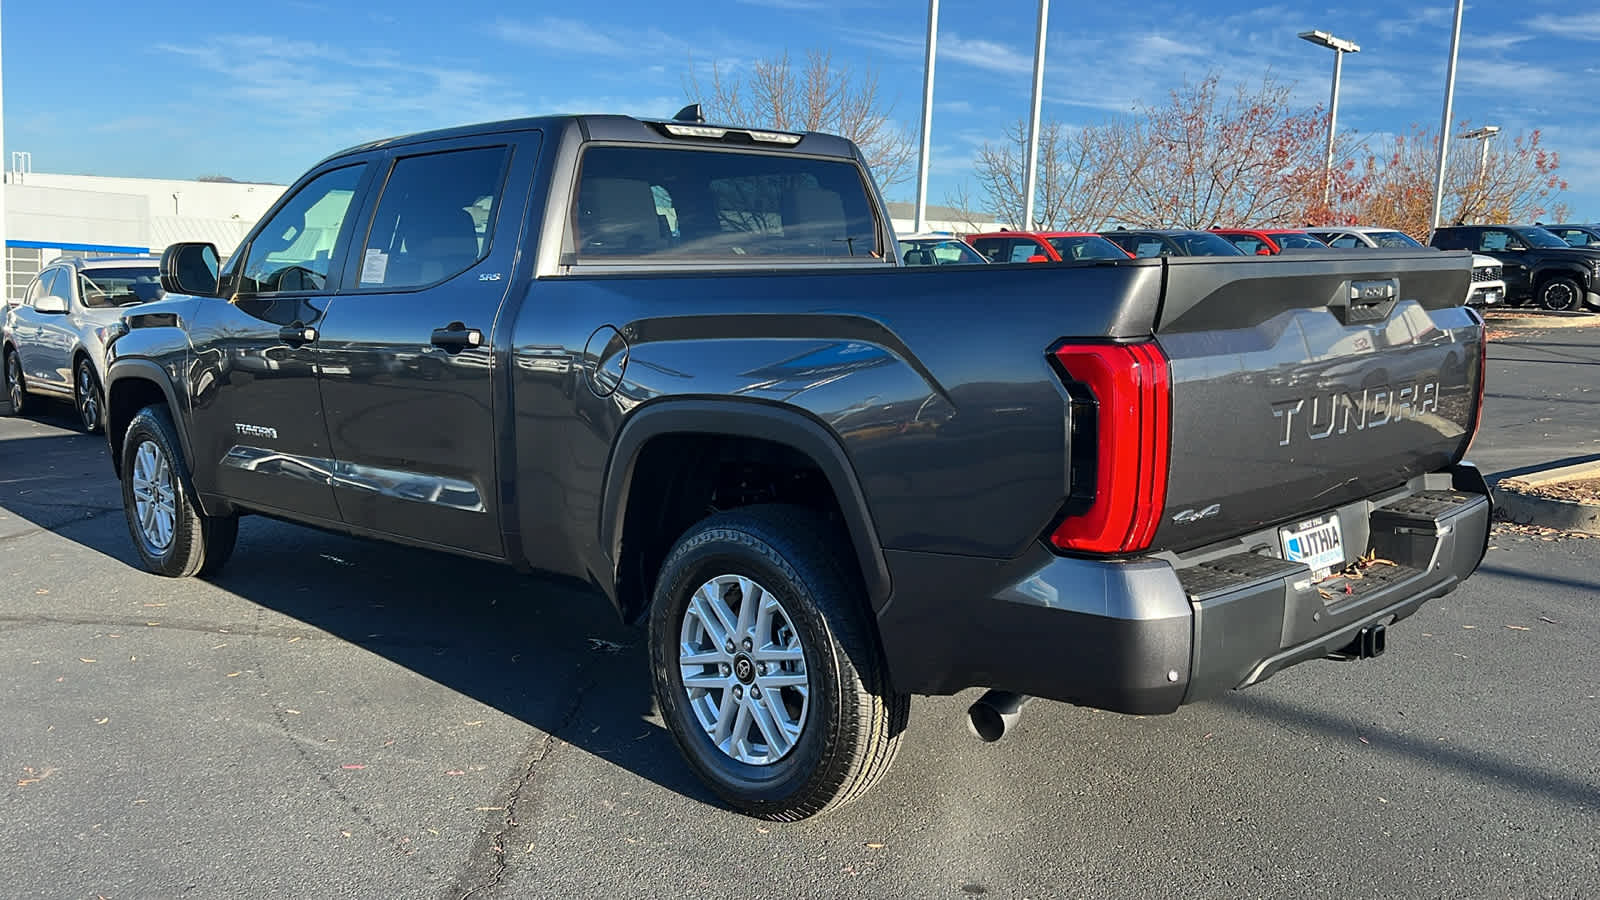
column 1339, row 411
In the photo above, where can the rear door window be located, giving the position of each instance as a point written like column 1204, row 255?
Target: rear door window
column 647, row 204
column 435, row 218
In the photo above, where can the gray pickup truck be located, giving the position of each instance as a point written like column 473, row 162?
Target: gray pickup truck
column 683, row 363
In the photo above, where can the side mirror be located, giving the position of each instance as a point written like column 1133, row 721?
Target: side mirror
column 1263, row 251
column 1038, row 257
column 190, row 268
column 51, row 304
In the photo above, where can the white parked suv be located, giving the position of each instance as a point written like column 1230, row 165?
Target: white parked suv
column 1488, row 285
column 53, row 339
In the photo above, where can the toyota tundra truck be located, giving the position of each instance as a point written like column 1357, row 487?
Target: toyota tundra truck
column 683, row 363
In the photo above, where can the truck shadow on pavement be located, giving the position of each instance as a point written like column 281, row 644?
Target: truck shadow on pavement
column 549, row 654
column 552, row 655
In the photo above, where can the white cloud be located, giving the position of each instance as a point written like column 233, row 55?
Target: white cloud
column 1581, row 25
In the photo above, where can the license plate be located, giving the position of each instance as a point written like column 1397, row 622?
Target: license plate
column 1317, row 543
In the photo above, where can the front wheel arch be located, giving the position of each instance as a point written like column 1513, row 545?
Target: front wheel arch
column 129, row 386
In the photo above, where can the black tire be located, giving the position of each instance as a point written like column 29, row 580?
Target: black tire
column 1561, row 293
column 851, row 729
column 89, row 397
column 198, row 543
column 16, row 387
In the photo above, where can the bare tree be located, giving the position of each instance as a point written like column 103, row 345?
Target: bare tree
column 1518, row 182
column 816, row 95
column 1235, row 159
column 1081, row 172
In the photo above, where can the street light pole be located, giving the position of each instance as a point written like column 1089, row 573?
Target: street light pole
column 1482, row 136
column 927, row 116
column 1340, row 47
column 1444, row 122
column 1030, row 178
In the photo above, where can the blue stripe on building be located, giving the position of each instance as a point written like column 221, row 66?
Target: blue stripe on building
column 76, row 248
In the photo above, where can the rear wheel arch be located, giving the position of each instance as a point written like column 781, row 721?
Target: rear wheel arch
column 666, row 459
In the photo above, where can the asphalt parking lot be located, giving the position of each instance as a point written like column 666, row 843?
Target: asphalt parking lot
column 333, row 718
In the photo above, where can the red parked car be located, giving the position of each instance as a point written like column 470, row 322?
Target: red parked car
column 1269, row 241
column 1044, row 246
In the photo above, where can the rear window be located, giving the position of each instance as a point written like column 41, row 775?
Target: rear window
column 663, row 204
column 1085, row 247
column 1204, row 243
column 1298, row 242
column 1392, row 239
column 108, row 288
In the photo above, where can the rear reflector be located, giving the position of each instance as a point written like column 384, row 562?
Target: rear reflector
column 1127, row 392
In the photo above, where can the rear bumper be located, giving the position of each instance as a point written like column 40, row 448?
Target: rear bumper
column 1148, row 635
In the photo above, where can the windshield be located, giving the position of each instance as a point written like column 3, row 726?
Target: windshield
column 1204, row 243
column 1085, row 247
column 1544, row 240
column 1299, row 242
column 1392, row 239
column 108, row 288
column 948, row 252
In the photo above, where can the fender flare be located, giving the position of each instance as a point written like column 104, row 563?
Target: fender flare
column 145, row 370
column 751, row 419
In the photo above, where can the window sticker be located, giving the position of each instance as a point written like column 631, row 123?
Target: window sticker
column 374, row 267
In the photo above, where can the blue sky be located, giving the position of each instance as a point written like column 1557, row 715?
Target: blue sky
column 261, row 90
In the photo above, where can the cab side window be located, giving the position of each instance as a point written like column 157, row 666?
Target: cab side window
column 295, row 250
column 1496, row 240
column 1346, row 242
column 435, row 218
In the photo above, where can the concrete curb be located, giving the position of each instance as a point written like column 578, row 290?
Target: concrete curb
column 1514, row 504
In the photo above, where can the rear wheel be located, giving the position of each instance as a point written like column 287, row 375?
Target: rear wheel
column 1560, row 293
column 16, row 389
column 766, row 668
column 173, row 536
column 89, row 397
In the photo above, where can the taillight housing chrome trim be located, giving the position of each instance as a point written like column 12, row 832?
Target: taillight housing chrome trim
column 1127, row 386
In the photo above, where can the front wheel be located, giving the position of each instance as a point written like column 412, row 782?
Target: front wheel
column 89, row 397
column 1560, row 294
column 173, row 536
column 766, row 667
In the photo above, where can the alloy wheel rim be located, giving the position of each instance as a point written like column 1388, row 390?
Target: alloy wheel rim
column 1558, row 296
column 154, row 497
column 744, row 670
column 88, row 401
column 14, row 380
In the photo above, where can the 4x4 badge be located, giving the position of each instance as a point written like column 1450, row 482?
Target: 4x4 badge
column 1194, row 515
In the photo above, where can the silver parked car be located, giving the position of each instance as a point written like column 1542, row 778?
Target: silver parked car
column 53, row 339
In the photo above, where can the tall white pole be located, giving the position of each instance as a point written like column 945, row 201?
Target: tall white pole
column 1333, row 119
column 1444, row 121
column 927, row 115
column 5, row 254
column 1030, row 178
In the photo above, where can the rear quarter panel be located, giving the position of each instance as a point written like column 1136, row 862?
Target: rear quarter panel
column 935, row 381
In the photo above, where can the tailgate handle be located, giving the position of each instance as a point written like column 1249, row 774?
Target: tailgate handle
column 1371, row 301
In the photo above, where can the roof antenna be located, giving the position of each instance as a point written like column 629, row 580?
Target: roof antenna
column 690, row 113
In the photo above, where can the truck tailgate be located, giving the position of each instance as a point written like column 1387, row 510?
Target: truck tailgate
column 1303, row 382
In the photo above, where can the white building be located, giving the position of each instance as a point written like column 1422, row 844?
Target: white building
column 53, row 215
column 942, row 219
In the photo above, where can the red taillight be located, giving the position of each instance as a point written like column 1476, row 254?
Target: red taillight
column 1129, row 391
